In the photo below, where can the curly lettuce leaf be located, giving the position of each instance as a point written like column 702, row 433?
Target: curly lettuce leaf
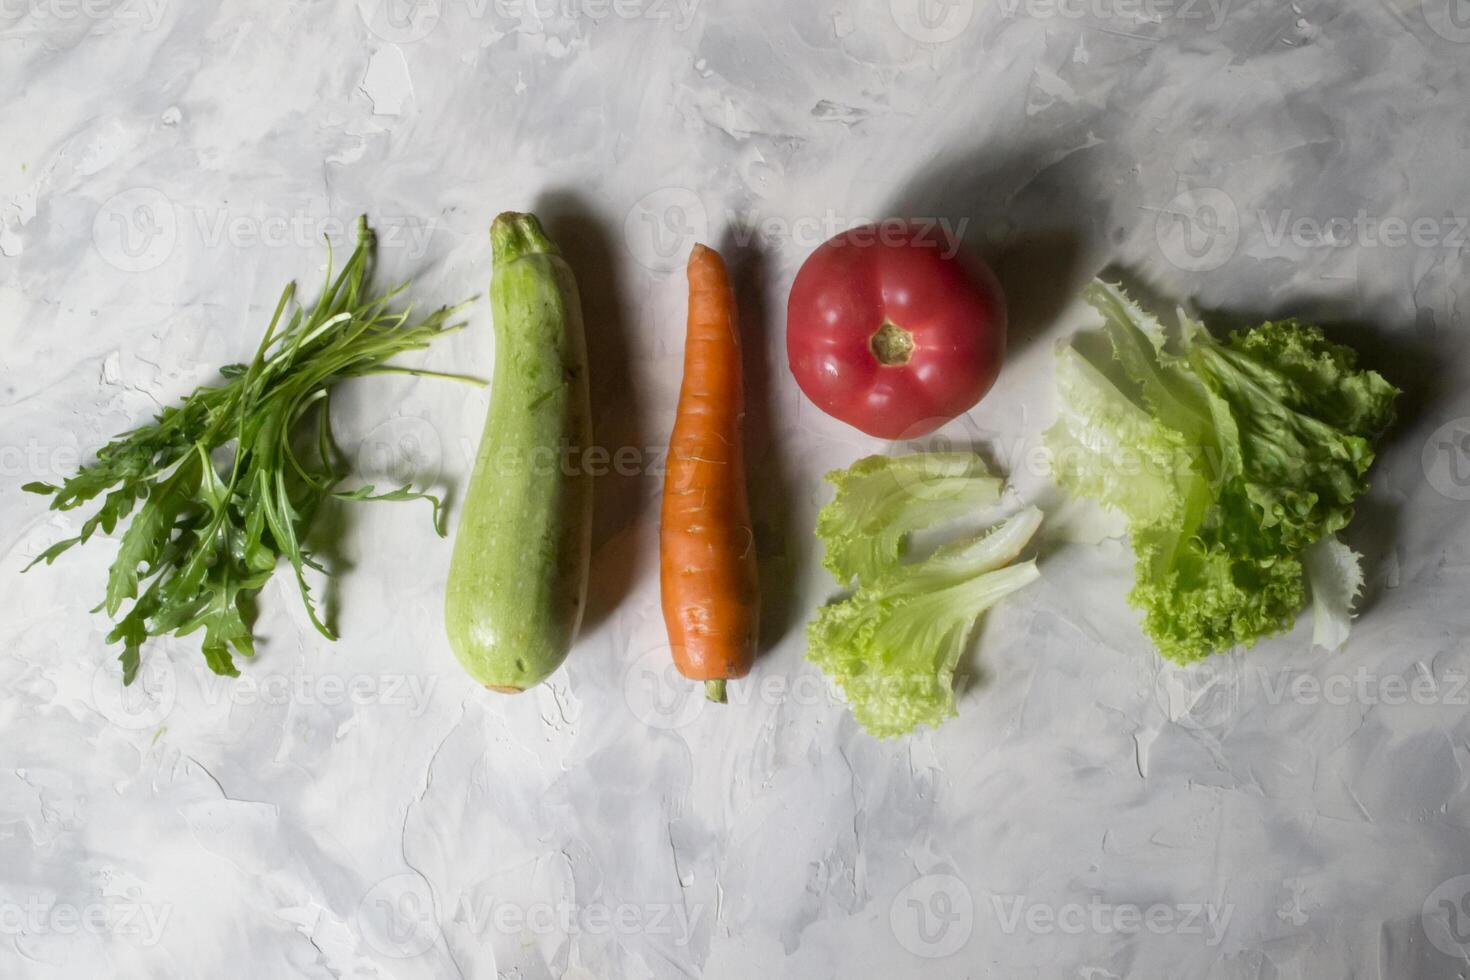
column 882, row 499
column 893, row 646
column 1230, row 459
column 1107, row 447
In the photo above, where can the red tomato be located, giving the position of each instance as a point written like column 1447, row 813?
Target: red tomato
column 895, row 328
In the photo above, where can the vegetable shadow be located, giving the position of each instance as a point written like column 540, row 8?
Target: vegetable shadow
column 329, row 526
column 619, row 494
column 1027, row 214
column 325, row 539
column 772, row 487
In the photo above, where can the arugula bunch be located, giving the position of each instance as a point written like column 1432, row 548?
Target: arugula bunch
column 206, row 538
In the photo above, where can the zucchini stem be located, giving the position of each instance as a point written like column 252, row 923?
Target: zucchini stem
column 514, row 235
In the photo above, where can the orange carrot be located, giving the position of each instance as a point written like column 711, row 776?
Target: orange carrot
column 706, row 544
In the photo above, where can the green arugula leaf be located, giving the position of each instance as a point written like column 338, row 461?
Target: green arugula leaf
column 206, row 539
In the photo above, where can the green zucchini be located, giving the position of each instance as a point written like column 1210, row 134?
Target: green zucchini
column 518, row 577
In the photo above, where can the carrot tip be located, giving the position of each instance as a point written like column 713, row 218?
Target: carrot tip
column 715, row 690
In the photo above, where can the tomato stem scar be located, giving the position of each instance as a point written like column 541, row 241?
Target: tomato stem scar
column 891, row 344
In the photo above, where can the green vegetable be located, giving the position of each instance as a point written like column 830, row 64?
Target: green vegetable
column 1234, row 462
column 882, row 499
column 894, row 645
column 518, row 579
column 205, row 539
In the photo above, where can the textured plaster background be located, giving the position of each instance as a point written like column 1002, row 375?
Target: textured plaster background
column 363, row 810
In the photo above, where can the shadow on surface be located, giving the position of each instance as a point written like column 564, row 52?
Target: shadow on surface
column 1028, row 215
column 773, row 488
column 617, row 409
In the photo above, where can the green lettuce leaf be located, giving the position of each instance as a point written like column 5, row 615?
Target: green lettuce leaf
column 893, row 646
column 882, row 499
column 1230, row 459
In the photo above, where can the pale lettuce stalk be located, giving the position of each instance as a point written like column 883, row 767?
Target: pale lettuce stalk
column 1335, row 574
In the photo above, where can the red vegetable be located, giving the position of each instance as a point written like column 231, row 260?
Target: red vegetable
column 895, row 328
